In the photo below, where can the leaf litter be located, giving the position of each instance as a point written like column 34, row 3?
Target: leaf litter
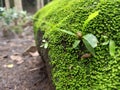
column 20, row 64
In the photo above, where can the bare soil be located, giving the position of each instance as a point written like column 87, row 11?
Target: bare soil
column 20, row 68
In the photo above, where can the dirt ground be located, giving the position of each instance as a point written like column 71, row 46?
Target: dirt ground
column 20, row 67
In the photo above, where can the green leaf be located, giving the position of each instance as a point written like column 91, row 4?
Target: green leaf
column 46, row 45
column 89, row 47
column 42, row 45
column 105, row 43
column 112, row 48
column 76, row 43
column 90, row 17
column 93, row 15
column 68, row 32
column 91, row 39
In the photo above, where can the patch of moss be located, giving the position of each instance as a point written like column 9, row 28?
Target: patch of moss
column 69, row 71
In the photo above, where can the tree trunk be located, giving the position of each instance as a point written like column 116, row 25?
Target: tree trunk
column 40, row 4
column 7, row 4
column 18, row 5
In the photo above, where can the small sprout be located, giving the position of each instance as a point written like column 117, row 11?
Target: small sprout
column 44, row 44
column 112, row 47
column 90, row 41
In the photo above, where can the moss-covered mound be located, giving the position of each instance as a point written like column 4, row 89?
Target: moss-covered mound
column 69, row 70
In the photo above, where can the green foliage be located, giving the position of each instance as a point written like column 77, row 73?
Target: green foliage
column 1, row 11
column 111, row 45
column 10, row 15
column 68, row 32
column 44, row 44
column 69, row 70
column 89, row 40
column 13, row 19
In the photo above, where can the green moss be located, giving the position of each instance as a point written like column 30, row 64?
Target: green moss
column 69, row 71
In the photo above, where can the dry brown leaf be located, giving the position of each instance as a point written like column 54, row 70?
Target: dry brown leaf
column 30, row 49
column 35, row 54
column 17, row 58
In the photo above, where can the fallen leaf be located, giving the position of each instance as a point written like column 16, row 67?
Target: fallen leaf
column 35, row 54
column 30, row 49
column 17, row 58
column 20, row 62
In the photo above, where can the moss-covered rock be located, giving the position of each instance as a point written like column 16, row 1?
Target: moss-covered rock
column 69, row 70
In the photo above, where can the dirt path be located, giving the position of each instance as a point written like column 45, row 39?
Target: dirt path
column 20, row 71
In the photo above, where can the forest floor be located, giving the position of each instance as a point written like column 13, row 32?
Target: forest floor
column 21, row 67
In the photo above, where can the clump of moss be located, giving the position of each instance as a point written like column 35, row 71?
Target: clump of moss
column 69, row 70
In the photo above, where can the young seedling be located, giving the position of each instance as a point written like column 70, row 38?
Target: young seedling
column 111, row 44
column 44, row 44
column 89, row 40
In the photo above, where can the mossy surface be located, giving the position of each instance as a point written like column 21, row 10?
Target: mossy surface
column 69, row 71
